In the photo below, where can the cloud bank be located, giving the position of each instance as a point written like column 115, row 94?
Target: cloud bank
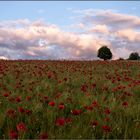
column 25, row 39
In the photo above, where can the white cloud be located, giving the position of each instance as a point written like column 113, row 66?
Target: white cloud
column 27, row 39
column 129, row 34
column 100, row 29
column 3, row 57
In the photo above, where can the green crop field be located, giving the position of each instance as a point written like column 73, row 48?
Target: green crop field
column 69, row 99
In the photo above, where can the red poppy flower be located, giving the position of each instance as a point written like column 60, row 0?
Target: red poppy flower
column 59, row 81
column 21, row 127
column 84, row 88
column 61, row 103
column 43, row 135
column 69, row 99
column 106, row 119
column 94, row 123
column 18, row 99
column 76, row 112
column 90, row 107
column 107, row 111
column 50, row 75
column 28, row 98
column 6, row 94
column 21, row 110
column 65, row 79
column 58, row 95
column 11, row 113
column 68, row 120
column 61, row 106
column 128, row 93
column 28, row 112
column 125, row 104
column 106, row 128
column 93, row 85
column 46, row 98
column 60, row 122
column 13, row 134
column 51, row 103
column 95, row 103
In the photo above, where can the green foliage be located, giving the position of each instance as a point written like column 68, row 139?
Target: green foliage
column 134, row 56
column 104, row 53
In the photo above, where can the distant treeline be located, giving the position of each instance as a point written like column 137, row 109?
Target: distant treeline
column 105, row 53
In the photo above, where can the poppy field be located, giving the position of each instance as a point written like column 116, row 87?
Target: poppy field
column 42, row 99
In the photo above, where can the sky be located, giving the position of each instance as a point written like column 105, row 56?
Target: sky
column 68, row 29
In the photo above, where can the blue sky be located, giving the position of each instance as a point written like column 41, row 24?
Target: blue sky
column 85, row 22
column 58, row 12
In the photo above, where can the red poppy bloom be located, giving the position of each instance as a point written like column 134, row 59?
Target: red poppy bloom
column 21, row 127
column 28, row 98
column 95, row 103
column 93, row 85
column 61, row 106
column 76, row 112
column 68, row 120
column 106, row 128
column 61, row 103
column 46, row 98
column 128, row 93
column 50, row 75
column 21, row 110
column 28, row 112
column 94, row 123
column 85, row 107
column 84, row 88
column 13, row 134
column 43, row 135
column 18, row 99
column 6, row 94
column 106, row 119
column 65, row 79
column 59, row 81
column 51, row 103
column 69, row 99
column 107, row 111
column 58, row 95
column 11, row 113
column 60, row 122
column 125, row 104
column 90, row 107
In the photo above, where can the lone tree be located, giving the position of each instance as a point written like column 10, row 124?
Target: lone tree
column 104, row 53
column 134, row 56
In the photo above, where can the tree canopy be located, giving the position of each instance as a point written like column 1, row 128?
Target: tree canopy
column 104, row 53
